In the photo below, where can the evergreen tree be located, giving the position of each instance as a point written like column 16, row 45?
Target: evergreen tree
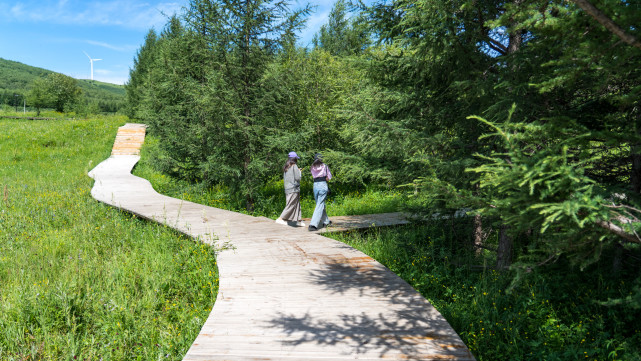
column 137, row 75
column 342, row 36
column 575, row 86
column 206, row 87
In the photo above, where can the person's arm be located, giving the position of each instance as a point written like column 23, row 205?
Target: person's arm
column 297, row 175
column 329, row 174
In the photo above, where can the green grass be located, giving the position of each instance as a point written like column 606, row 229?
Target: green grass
column 79, row 279
column 270, row 201
column 9, row 111
column 552, row 314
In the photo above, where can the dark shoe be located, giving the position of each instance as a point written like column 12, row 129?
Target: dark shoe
column 312, row 228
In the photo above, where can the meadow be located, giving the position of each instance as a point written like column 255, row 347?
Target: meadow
column 80, row 280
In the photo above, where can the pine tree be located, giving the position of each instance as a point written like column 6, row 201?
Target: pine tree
column 205, row 90
column 342, row 36
column 137, row 75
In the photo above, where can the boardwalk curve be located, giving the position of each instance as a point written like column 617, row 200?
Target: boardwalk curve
column 285, row 293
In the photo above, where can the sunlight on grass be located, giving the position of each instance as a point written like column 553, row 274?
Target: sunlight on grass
column 81, row 280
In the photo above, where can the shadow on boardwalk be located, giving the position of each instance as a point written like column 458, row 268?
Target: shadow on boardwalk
column 407, row 326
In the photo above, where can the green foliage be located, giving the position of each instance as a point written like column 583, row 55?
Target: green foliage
column 143, row 62
column 545, row 189
column 342, row 36
column 16, row 76
column 214, row 128
column 79, row 279
column 305, row 92
column 570, row 86
column 109, row 98
column 38, row 96
column 63, row 90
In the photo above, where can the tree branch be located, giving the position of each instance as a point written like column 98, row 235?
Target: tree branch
column 609, row 24
column 618, row 231
column 495, row 45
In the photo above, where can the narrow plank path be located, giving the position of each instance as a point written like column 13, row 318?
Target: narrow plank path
column 285, row 293
column 345, row 223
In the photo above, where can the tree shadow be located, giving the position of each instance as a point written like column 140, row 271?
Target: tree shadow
column 403, row 325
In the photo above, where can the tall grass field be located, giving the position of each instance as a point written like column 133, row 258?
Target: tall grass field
column 80, row 280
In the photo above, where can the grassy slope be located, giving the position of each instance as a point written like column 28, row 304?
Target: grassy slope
column 78, row 278
column 16, row 78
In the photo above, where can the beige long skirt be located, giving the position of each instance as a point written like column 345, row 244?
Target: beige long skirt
column 292, row 208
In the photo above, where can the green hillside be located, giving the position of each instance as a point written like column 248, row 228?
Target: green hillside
column 16, row 77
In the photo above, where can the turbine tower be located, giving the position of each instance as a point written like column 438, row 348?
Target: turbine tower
column 91, row 61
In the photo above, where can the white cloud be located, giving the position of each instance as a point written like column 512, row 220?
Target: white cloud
column 130, row 14
column 122, row 48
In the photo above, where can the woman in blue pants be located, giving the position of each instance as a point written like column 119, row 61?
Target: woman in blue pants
column 321, row 174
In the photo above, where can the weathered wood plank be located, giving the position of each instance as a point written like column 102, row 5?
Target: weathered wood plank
column 286, row 293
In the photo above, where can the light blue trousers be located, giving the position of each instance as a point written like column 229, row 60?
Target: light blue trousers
column 320, row 218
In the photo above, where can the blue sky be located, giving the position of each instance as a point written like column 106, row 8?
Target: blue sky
column 53, row 34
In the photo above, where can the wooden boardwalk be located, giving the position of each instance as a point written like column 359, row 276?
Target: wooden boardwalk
column 345, row 223
column 286, row 293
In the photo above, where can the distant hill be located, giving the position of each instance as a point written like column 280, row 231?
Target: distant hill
column 16, row 77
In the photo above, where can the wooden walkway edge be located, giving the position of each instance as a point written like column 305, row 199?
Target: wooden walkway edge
column 285, row 293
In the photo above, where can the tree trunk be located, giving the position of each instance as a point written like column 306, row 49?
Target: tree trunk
column 635, row 176
column 478, row 233
column 515, row 37
column 247, row 111
column 249, row 198
column 478, row 225
column 604, row 20
column 504, row 253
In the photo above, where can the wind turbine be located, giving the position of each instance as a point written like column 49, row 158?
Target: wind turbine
column 91, row 61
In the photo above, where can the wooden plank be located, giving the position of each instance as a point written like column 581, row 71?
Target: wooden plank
column 286, row 293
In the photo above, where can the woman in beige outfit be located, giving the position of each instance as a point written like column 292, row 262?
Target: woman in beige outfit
column 291, row 177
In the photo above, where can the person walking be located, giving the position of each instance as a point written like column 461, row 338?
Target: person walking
column 321, row 174
column 291, row 177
